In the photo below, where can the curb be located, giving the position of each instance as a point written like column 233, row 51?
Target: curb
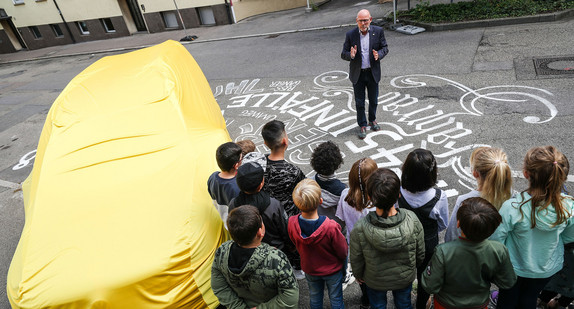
column 183, row 43
column 432, row 27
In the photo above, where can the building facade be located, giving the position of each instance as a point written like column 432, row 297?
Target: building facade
column 34, row 24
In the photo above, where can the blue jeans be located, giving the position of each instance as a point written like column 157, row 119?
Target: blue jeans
column 366, row 81
column 402, row 298
column 334, row 287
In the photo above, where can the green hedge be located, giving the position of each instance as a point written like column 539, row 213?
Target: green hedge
column 481, row 9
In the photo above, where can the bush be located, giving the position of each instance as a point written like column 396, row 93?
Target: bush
column 481, row 9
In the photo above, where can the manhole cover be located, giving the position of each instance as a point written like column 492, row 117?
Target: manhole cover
column 554, row 65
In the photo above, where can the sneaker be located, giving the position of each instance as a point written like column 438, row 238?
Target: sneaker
column 363, row 133
column 299, row 274
column 374, row 126
column 494, row 298
column 348, row 277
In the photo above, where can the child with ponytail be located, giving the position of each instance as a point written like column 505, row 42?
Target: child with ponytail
column 535, row 226
column 490, row 168
column 354, row 204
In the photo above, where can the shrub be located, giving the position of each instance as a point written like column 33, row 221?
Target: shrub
column 481, row 9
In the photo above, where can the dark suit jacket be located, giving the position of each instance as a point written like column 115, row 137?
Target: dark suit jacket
column 376, row 41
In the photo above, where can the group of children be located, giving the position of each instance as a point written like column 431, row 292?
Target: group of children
column 284, row 226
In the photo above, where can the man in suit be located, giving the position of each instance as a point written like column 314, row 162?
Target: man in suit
column 364, row 47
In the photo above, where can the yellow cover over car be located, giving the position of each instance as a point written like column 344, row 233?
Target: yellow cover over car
column 117, row 209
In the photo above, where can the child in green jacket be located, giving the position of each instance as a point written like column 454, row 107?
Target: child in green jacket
column 247, row 273
column 460, row 272
column 387, row 245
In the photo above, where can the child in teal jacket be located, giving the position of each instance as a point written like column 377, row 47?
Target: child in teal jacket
column 535, row 226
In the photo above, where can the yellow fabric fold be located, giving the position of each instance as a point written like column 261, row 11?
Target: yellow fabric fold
column 117, row 209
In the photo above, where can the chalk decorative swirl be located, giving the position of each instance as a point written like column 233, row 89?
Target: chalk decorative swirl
column 517, row 94
column 334, row 84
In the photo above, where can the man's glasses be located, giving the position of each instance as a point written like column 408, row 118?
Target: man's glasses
column 363, row 20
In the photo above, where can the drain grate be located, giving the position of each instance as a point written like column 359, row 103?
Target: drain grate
column 554, row 66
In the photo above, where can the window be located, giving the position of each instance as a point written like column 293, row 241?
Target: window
column 169, row 19
column 108, row 25
column 57, row 30
column 18, row 2
column 206, row 15
column 3, row 13
column 36, row 32
column 83, row 27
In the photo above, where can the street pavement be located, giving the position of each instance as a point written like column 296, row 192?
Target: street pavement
column 331, row 14
column 445, row 91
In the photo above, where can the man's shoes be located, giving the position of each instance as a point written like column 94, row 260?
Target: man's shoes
column 363, row 133
column 374, row 126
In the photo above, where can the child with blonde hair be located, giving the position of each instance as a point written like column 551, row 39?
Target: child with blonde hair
column 322, row 247
column 535, row 226
column 490, row 168
column 354, row 204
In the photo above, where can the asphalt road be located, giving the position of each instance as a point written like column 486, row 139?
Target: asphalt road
column 448, row 92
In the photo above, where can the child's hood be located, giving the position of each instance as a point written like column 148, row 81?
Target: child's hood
column 318, row 235
column 255, row 262
column 389, row 234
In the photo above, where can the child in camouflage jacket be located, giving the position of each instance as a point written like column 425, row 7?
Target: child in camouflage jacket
column 247, row 273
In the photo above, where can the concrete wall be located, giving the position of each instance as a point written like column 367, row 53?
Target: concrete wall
column 248, row 8
column 95, row 26
column 5, row 43
column 31, row 13
column 97, row 30
column 48, row 36
column 154, row 6
column 43, row 13
column 77, row 10
column 155, row 23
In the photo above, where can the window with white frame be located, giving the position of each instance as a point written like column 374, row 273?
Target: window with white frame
column 169, row 19
column 108, row 25
column 36, row 32
column 83, row 27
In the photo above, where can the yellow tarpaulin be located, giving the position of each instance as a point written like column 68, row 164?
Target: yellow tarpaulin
column 117, row 209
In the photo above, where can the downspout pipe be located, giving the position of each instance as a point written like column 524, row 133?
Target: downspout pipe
column 65, row 23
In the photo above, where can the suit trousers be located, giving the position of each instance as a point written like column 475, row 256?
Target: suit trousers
column 368, row 83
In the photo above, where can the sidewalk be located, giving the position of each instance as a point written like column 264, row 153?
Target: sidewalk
column 331, row 14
